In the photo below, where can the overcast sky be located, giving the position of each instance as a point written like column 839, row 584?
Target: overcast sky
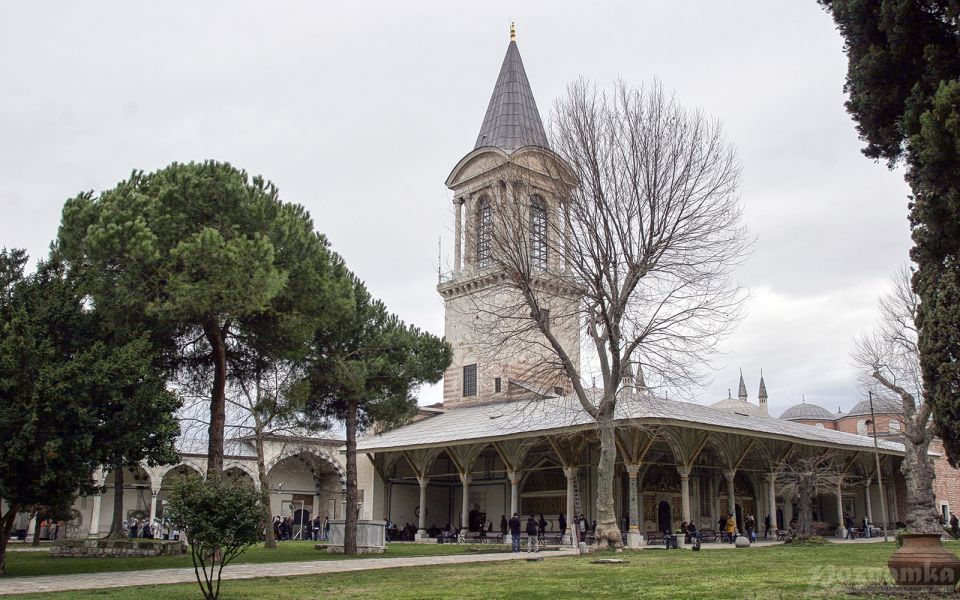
column 360, row 110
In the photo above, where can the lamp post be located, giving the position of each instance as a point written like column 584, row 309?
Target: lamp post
column 876, row 454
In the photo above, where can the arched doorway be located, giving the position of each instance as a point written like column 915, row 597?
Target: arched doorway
column 664, row 516
column 303, row 485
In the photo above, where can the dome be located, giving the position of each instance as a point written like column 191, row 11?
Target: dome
column 807, row 412
column 739, row 407
column 881, row 406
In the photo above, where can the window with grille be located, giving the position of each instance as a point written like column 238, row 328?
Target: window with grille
column 470, row 380
column 484, row 233
column 497, row 385
column 538, row 234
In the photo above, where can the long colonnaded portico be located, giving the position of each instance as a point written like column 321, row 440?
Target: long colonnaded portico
column 471, row 465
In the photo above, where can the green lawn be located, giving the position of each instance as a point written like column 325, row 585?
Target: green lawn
column 40, row 563
column 778, row 572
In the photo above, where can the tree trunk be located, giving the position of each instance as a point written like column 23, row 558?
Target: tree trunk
column 116, row 523
column 218, row 397
column 270, row 541
column 6, row 526
column 350, row 519
column 607, row 533
column 922, row 515
column 805, row 516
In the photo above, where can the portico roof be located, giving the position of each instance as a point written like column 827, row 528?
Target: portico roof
column 530, row 418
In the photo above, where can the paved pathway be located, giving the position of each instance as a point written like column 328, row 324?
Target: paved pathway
column 88, row 581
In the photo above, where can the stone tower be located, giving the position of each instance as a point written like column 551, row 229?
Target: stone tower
column 763, row 395
column 503, row 174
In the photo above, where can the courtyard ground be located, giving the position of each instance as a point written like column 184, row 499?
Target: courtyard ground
column 775, row 572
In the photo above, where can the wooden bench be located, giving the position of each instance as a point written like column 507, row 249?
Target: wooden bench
column 654, row 537
column 710, row 535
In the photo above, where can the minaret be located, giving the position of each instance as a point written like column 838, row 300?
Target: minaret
column 742, row 392
column 763, row 395
column 501, row 177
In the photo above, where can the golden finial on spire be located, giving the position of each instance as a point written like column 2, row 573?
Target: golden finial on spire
column 513, row 32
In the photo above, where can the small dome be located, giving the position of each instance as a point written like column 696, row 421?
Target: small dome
column 881, row 406
column 739, row 407
column 807, row 412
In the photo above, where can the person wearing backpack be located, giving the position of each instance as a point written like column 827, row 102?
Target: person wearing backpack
column 532, row 545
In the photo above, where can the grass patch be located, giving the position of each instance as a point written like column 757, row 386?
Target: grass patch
column 777, row 572
column 21, row 564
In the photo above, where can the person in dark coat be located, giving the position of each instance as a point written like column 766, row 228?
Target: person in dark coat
column 562, row 520
column 514, row 525
column 541, row 527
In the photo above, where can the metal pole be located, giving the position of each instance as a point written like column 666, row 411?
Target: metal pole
column 876, row 454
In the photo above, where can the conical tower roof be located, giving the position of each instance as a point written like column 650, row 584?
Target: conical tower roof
column 763, row 388
column 512, row 120
column 742, row 392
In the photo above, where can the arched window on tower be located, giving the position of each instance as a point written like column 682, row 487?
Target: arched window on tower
column 538, row 234
column 484, row 233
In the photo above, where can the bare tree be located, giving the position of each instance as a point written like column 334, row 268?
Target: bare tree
column 889, row 360
column 624, row 238
column 803, row 479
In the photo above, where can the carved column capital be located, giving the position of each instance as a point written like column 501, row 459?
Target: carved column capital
column 423, row 481
column 684, row 471
column 569, row 472
column 632, row 470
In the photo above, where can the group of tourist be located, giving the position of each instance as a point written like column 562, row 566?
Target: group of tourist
column 157, row 529
column 286, row 528
column 407, row 533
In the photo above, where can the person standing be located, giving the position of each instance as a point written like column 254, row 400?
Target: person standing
column 731, row 528
column 562, row 521
column 866, row 526
column 532, row 545
column 766, row 526
column 504, row 526
column 326, row 528
column 541, row 528
column 514, row 525
column 848, row 523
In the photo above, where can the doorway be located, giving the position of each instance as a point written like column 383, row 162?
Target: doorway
column 664, row 517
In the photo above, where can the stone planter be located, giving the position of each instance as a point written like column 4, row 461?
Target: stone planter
column 371, row 537
column 922, row 561
column 681, row 540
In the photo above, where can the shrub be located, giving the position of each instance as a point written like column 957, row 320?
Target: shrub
column 806, row 540
column 220, row 519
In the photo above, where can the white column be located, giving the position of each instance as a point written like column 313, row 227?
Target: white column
column 465, row 502
column 153, row 506
column 866, row 500
column 95, row 516
column 571, row 526
column 458, row 235
column 730, row 474
column 684, row 492
column 772, row 498
column 841, row 530
column 422, row 520
column 31, row 526
column 514, row 492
